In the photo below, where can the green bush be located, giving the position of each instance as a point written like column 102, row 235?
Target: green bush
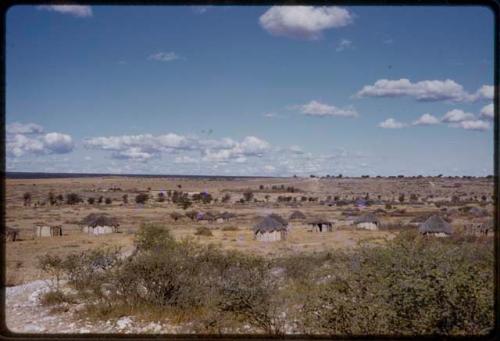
column 203, row 231
column 412, row 285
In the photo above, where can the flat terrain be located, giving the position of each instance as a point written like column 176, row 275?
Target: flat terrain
column 428, row 196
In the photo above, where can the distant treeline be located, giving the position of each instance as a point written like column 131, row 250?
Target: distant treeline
column 41, row 175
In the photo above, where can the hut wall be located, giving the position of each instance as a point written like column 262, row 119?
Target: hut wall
column 437, row 234
column 43, row 231
column 367, row 226
column 269, row 236
column 98, row 230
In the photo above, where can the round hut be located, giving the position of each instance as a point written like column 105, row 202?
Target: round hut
column 42, row 230
column 367, row 221
column 11, row 234
column 297, row 215
column 225, row 217
column 99, row 223
column 435, row 226
column 321, row 225
column 269, row 229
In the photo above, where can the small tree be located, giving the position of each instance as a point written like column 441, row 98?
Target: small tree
column 73, row 199
column 175, row 216
column 401, row 198
column 161, row 197
column 108, row 201
column 52, row 199
column 100, row 199
column 27, row 199
column 248, row 196
column 226, row 198
column 125, row 198
column 141, row 198
column 91, row 200
column 191, row 214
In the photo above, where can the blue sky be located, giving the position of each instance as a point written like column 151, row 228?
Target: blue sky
column 250, row 90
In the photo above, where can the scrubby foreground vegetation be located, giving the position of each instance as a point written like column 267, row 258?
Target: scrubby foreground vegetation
column 411, row 285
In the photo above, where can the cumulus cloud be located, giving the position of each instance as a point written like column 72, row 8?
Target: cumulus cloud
column 147, row 146
column 427, row 90
column 485, row 92
column 426, row 120
column 163, row 56
column 488, row 111
column 74, row 10
column 391, row 123
column 22, row 139
column 305, row 22
column 21, row 128
column 344, row 44
column 58, row 143
column 315, row 108
column 478, row 125
column 457, row 115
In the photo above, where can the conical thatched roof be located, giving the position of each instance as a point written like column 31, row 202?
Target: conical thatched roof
column 435, row 224
column 419, row 219
column 297, row 215
column 227, row 215
column 318, row 221
column 99, row 219
column 367, row 218
column 269, row 224
column 279, row 218
column 477, row 212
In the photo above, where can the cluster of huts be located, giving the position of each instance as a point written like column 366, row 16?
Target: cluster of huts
column 273, row 227
column 210, row 217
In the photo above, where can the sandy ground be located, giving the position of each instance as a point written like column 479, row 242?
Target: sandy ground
column 25, row 281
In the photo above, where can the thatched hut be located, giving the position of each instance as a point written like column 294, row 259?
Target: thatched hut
column 297, row 215
column 367, row 221
column 321, row 225
column 435, row 226
column 225, row 217
column 99, row 223
column 42, row 230
column 269, row 229
column 207, row 217
column 11, row 234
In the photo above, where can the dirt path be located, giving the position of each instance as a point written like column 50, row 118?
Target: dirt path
column 25, row 314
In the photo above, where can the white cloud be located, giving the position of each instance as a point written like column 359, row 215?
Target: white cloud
column 478, row 125
column 147, row 146
column 296, row 150
column 24, row 139
column 163, row 56
column 270, row 115
column 344, row 44
column 426, row 120
column 391, row 123
column 58, row 143
column 21, row 128
column 428, row 90
column 457, row 115
column 315, row 108
column 74, row 10
column 485, row 92
column 304, row 21
column 488, row 111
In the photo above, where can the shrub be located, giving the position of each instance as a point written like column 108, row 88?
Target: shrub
column 73, row 199
column 108, row 201
column 175, row 216
column 27, row 199
column 203, row 231
column 125, row 198
column 141, row 198
column 91, row 200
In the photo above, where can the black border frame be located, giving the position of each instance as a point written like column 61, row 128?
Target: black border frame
column 493, row 5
